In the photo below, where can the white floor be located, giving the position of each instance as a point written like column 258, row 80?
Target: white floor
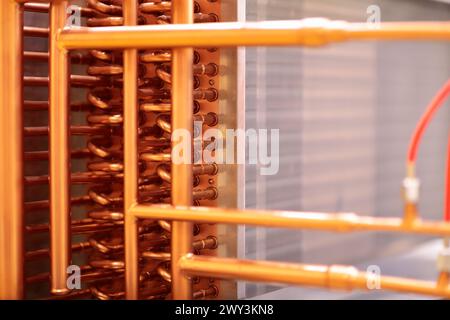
column 419, row 264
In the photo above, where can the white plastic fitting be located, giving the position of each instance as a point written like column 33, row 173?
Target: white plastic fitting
column 411, row 188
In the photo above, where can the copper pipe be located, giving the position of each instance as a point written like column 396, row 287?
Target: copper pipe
column 131, row 109
column 210, row 69
column 101, row 119
column 60, row 211
column 74, row 130
column 182, row 118
column 45, row 204
column 105, row 70
column 163, row 106
column 106, row 166
column 105, row 8
column 106, row 215
column 110, row 21
column 88, row 274
column 163, row 171
column 337, row 222
column 75, row 57
column 155, row 157
column 208, row 243
column 164, row 273
column 198, row 18
column 35, row 32
column 104, row 148
column 75, row 80
column 45, row 253
column 331, row 277
column 76, row 294
column 43, row 105
column 162, row 56
column 212, row 291
column 209, row 193
column 77, row 177
column 155, row 6
column 108, row 264
column 77, row 227
column 44, row 8
column 43, row 155
column 307, row 32
column 154, row 57
column 40, row 56
column 155, row 107
column 161, row 256
column 209, row 94
column 11, row 146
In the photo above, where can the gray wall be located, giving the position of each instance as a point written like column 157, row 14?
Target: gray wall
column 345, row 114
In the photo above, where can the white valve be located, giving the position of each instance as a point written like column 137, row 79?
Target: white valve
column 411, row 188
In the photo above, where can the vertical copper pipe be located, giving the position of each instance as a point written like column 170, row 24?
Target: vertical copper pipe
column 11, row 160
column 131, row 109
column 182, row 119
column 59, row 154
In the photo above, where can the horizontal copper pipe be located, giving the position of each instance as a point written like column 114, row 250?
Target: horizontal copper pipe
column 210, row 119
column 75, row 80
column 337, row 222
column 76, row 178
column 75, row 57
column 44, row 8
column 158, row 292
column 43, row 105
column 307, row 32
column 158, row 6
column 35, row 32
column 43, row 155
column 75, row 294
column 75, row 130
column 163, row 56
column 212, row 291
column 105, row 8
column 77, row 227
column 163, row 171
column 45, row 253
column 332, row 277
column 198, row 18
column 164, row 192
column 159, row 106
column 208, row 243
column 87, row 274
column 44, row 204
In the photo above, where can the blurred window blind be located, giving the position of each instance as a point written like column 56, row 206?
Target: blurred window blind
column 345, row 114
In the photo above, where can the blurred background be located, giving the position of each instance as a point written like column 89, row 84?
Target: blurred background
column 345, row 114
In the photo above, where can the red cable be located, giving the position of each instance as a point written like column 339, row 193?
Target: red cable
column 435, row 104
column 447, row 186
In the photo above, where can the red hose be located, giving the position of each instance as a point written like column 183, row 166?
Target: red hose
column 435, row 104
column 447, row 186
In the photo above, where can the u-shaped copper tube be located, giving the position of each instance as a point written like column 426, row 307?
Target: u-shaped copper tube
column 208, row 243
column 104, row 148
column 112, row 8
column 99, row 176
column 163, row 170
column 198, row 18
column 82, row 81
column 44, row 204
column 161, row 6
column 210, row 119
column 159, row 106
